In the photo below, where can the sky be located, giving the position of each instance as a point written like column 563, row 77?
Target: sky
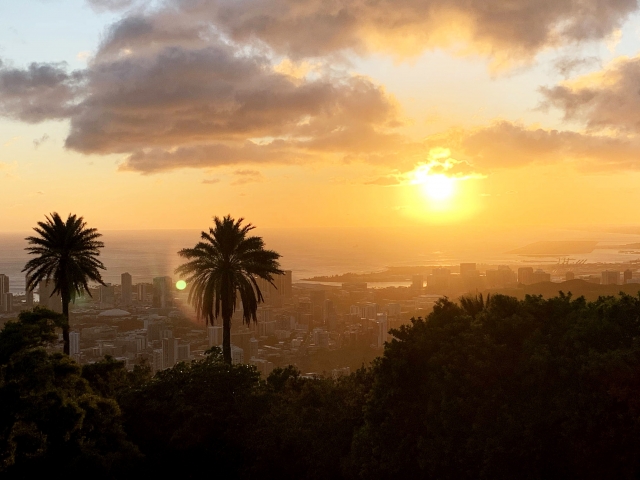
column 320, row 113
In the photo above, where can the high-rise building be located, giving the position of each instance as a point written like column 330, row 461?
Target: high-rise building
column 317, row 298
column 157, row 360
column 8, row 302
column 215, row 336
column 144, row 291
column 4, row 289
column 183, row 352
column 47, row 299
column 237, row 355
column 610, row 277
column 502, row 277
column 569, row 276
column 327, row 311
column 279, row 289
column 381, row 328
column 242, row 340
column 468, row 269
column 628, row 275
column 74, row 343
column 126, row 284
column 540, row 276
column 107, row 294
column 169, row 352
column 417, row 282
column 525, row 275
column 253, row 348
column 28, row 295
column 439, row 278
column 162, row 292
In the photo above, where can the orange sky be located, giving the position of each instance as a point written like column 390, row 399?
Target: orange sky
column 140, row 115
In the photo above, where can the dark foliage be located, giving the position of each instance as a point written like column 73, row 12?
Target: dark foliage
column 522, row 389
column 51, row 420
column 35, row 328
column 532, row 389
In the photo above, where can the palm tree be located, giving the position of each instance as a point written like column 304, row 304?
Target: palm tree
column 66, row 255
column 224, row 264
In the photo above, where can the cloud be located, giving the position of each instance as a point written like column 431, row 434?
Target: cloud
column 438, row 162
column 201, row 106
column 11, row 141
column 511, row 145
column 39, row 141
column 506, row 31
column 608, row 99
column 112, row 5
column 567, row 65
column 247, row 176
column 8, row 169
column 211, row 181
column 84, row 55
column 42, row 91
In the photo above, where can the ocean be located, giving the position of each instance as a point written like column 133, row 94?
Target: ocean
column 329, row 251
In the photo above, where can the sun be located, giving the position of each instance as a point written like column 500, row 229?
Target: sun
column 439, row 187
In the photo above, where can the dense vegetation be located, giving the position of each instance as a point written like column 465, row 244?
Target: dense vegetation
column 503, row 388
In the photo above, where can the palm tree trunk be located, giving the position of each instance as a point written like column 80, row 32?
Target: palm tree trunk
column 226, row 340
column 65, row 327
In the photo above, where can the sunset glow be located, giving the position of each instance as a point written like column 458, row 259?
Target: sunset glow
column 439, row 188
column 482, row 112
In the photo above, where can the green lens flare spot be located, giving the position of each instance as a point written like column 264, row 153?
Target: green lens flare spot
column 181, row 284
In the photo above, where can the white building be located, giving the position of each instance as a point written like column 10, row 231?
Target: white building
column 381, row 328
column 74, row 343
column 237, row 355
column 214, row 335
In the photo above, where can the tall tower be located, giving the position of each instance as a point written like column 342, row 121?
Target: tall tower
column 162, row 292
column 127, row 286
column 54, row 302
column 28, row 294
column 4, row 290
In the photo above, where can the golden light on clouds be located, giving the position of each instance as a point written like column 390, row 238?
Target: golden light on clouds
column 439, row 191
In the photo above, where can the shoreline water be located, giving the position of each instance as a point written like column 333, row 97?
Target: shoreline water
column 324, row 252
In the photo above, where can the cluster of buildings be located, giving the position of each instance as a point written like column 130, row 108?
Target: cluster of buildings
column 151, row 322
column 469, row 278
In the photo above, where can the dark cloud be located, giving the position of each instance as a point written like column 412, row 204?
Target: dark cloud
column 514, row 29
column 39, row 92
column 201, row 106
column 510, row 145
column 39, row 141
column 212, row 96
column 204, row 156
column 247, row 176
column 608, row 99
column 566, row 66
column 142, row 34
